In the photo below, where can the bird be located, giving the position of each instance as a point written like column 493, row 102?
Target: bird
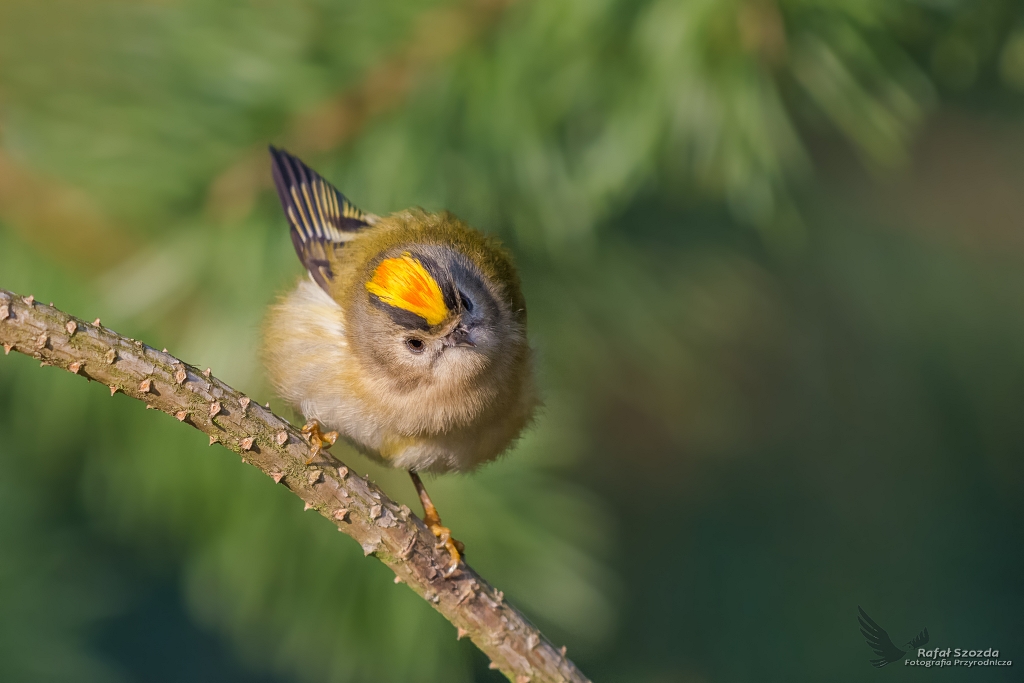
column 879, row 641
column 407, row 336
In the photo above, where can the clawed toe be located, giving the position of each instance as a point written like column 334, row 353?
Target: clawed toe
column 317, row 439
column 444, row 540
column 456, row 549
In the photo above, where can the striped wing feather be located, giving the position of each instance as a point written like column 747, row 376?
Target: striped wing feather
column 321, row 218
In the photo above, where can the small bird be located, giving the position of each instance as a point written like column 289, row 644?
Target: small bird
column 881, row 643
column 407, row 339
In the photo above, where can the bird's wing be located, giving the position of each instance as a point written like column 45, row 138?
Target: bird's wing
column 321, row 218
column 921, row 639
column 878, row 640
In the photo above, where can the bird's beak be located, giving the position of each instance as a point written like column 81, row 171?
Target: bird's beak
column 460, row 336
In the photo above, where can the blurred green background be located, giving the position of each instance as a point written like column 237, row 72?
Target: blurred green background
column 774, row 258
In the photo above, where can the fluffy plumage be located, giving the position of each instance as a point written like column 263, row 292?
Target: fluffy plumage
column 409, row 338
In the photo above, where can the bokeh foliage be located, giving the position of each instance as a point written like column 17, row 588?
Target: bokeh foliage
column 765, row 403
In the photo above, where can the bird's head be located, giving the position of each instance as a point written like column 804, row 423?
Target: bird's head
column 429, row 314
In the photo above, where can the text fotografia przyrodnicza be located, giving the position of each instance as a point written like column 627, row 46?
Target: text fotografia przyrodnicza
column 957, row 657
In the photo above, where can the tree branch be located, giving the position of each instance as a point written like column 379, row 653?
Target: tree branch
column 353, row 504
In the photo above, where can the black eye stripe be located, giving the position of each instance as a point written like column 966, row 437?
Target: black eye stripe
column 462, row 286
column 442, row 277
column 400, row 316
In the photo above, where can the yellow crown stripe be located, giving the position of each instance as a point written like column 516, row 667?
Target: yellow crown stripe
column 404, row 283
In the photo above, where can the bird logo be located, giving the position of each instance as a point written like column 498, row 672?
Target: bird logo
column 879, row 641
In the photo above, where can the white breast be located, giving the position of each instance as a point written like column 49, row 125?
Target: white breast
column 309, row 359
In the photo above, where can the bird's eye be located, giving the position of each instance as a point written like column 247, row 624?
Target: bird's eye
column 467, row 305
column 414, row 345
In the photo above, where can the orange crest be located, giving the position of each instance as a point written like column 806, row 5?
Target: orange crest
column 404, row 283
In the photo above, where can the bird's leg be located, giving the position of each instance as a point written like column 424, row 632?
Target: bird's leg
column 317, row 439
column 433, row 521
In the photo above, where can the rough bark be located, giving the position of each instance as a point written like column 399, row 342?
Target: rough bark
column 355, row 505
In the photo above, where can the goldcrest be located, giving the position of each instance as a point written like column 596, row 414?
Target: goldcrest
column 408, row 337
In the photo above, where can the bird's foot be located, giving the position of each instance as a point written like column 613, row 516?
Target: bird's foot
column 317, row 439
column 456, row 549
